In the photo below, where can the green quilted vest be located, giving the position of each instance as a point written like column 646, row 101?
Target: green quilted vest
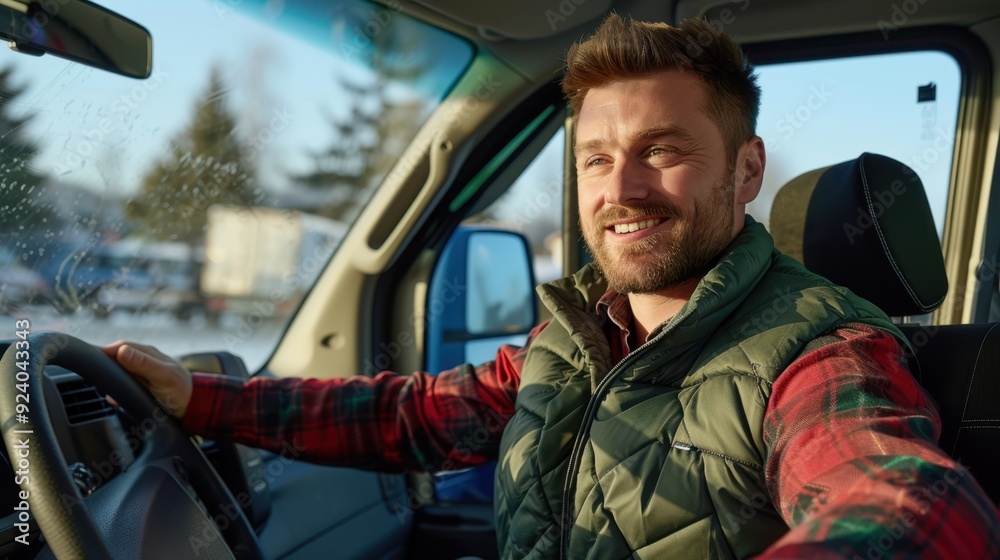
column 661, row 455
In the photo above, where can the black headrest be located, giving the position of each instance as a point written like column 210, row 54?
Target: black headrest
column 865, row 224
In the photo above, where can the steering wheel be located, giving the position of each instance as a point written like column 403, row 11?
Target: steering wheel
column 161, row 506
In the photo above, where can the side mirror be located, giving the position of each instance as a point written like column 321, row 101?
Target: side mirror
column 482, row 295
column 80, row 31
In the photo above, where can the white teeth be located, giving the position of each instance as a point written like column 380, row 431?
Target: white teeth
column 636, row 226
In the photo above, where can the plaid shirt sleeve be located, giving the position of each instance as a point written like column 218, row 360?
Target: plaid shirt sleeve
column 389, row 423
column 853, row 465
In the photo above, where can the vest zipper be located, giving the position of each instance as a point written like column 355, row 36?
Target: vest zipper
column 585, row 429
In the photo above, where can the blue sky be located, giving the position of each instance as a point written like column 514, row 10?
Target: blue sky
column 859, row 104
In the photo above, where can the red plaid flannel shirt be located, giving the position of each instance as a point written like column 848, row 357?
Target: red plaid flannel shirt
column 853, row 464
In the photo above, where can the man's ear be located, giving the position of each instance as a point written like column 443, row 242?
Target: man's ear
column 749, row 174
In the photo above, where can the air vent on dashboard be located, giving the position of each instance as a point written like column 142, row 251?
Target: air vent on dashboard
column 82, row 402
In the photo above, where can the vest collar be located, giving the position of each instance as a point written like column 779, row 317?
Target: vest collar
column 573, row 300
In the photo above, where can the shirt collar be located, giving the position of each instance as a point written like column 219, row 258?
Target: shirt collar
column 616, row 307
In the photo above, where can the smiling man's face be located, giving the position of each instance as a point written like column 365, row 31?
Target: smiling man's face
column 657, row 199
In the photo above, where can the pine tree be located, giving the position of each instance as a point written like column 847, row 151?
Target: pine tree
column 206, row 166
column 23, row 205
column 367, row 141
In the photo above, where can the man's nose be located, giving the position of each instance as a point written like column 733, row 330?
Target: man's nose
column 626, row 184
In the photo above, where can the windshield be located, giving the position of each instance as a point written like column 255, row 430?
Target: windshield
column 193, row 210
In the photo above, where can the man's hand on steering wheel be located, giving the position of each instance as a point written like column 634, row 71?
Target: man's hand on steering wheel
column 170, row 482
column 165, row 377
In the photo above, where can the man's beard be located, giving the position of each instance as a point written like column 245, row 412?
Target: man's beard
column 652, row 263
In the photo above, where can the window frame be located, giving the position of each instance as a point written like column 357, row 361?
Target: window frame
column 971, row 128
column 391, row 288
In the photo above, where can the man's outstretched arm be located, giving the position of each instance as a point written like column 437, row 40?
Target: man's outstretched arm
column 854, row 467
column 389, row 422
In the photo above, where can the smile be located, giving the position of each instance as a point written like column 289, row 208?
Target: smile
column 636, row 226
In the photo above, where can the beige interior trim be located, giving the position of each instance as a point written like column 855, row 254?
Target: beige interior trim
column 752, row 21
column 989, row 32
column 520, row 19
column 409, row 316
column 968, row 183
column 330, row 333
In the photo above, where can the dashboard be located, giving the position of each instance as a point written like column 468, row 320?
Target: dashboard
column 99, row 441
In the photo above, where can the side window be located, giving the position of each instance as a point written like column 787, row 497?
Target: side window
column 533, row 206
column 822, row 112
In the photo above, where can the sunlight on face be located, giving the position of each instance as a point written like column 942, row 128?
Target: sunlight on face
column 656, row 197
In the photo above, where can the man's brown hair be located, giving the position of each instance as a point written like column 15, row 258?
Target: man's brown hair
column 621, row 49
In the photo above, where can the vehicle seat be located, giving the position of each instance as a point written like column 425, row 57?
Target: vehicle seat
column 866, row 224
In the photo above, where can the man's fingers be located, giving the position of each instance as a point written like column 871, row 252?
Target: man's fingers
column 113, row 348
column 140, row 361
column 143, row 363
column 166, row 378
column 151, row 351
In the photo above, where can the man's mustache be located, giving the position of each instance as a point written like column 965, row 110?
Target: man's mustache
column 610, row 215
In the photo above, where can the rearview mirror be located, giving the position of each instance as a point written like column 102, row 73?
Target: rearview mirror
column 80, row 31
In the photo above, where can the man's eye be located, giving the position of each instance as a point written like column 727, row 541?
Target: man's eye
column 596, row 160
column 661, row 151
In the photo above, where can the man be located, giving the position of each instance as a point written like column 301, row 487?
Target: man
column 658, row 413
